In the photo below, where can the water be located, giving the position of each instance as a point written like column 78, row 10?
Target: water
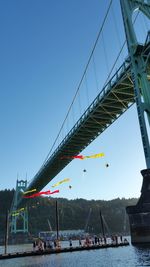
column 129, row 256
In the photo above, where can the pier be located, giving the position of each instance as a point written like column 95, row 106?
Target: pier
column 59, row 250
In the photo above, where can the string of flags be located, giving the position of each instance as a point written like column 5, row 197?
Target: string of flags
column 33, row 192
column 27, row 194
column 84, row 157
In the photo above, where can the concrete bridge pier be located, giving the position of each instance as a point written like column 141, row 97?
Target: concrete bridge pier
column 139, row 215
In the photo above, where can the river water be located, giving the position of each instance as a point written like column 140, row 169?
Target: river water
column 128, row 256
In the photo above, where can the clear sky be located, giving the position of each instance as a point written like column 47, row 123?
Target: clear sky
column 44, row 47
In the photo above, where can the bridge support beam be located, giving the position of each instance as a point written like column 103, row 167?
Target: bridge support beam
column 139, row 215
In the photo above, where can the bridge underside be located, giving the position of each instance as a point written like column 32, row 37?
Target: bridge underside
column 114, row 99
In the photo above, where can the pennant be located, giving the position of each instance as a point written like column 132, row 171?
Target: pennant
column 42, row 193
column 84, row 157
column 95, row 156
column 30, row 191
column 18, row 211
column 60, row 182
column 73, row 157
column 15, row 214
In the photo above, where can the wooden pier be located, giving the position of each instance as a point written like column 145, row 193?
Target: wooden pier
column 59, row 250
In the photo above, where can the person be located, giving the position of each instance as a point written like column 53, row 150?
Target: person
column 125, row 240
column 55, row 244
column 87, row 241
column 34, row 245
column 70, row 243
column 112, row 239
column 95, row 240
column 44, row 244
column 116, row 239
column 40, row 245
column 58, row 243
column 105, row 241
column 37, row 245
column 80, row 243
column 50, row 244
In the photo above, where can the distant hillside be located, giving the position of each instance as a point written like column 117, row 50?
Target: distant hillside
column 73, row 214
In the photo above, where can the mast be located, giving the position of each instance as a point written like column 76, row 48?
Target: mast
column 49, row 224
column 6, row 232
column 102, row 223
column 57, row 220
column 88, row 218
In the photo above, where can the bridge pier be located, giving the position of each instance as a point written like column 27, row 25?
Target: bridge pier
column 139, row 215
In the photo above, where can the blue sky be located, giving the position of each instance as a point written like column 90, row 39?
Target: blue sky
column 44, row 48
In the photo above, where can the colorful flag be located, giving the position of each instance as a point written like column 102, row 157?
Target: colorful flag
column 95, row 156
column 84, row 157
column 15, row 214
column 42, row 193
column 30, row 191
column 60, row 182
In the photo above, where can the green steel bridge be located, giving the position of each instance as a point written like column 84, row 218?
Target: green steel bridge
column 130, row 84
column 114, row 99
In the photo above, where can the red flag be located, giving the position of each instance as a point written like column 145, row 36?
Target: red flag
column 42, row 193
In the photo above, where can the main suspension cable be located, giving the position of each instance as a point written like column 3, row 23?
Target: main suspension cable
column 78, row 88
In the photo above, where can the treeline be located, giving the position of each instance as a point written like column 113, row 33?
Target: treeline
column 73, row 214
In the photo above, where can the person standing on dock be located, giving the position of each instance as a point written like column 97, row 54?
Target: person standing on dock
column 70, row 243
column 116, row 239
column 34, row 245
column 95, row 240
column 105, row 241
column 44, row 244
column 55, row 244
column 58, row 243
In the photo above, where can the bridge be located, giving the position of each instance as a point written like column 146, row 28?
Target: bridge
column 129, row 85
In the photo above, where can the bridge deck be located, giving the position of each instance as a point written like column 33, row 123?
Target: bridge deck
column 114, row 99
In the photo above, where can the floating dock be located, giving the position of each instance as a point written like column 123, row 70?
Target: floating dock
column 59, row 250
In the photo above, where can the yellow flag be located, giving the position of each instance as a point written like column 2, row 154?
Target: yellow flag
column 95, row 156
column 30, row 191
column 15, row 214
column 21, row 209
column 17, row 211
column 60, row 182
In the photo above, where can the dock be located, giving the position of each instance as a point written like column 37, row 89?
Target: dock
column 59, row 250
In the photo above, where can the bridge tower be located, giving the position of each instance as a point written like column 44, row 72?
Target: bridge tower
column 139, row 215
column 18, row 218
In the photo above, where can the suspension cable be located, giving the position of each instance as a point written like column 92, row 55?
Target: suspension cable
column 119, row 54
column 90, row 57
